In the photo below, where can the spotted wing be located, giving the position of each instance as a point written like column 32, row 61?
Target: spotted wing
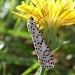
column 43, row 52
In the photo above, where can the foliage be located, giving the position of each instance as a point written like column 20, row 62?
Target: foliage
column 17, row 56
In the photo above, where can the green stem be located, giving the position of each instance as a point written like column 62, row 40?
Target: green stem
column 4, row 68
column 50, row 35
column 34, row 66
column 53, row 38
column 42, row 71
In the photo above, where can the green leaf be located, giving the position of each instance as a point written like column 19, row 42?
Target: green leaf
column 33, row 67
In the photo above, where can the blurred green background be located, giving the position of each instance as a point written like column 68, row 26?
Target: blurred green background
column 16, row 49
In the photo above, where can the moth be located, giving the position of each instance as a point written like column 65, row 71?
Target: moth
column 43, row 52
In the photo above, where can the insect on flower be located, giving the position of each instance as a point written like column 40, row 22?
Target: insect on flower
column 43, row 52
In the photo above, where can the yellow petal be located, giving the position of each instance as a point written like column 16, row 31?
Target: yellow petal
column 48, row 13
column 69, row 22
column 24, row 17
column 69, row 15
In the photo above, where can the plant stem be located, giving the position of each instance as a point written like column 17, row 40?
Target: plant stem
column 42, row 71
column 34, row 66
column 50, row 35
column 4, row 68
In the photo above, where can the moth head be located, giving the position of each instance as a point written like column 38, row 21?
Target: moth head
column 30, row 19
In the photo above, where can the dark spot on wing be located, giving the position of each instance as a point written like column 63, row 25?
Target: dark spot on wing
column 42, row 40
column 31, row 23
column 34, row 41
column 41, row 43
column 31, row 18
column 36, row 36
column 38, row 43
column 33, row 35
column 33, row 28
column 47, row 46
column 47, row 54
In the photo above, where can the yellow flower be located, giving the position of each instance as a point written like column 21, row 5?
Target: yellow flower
column 49, row 13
